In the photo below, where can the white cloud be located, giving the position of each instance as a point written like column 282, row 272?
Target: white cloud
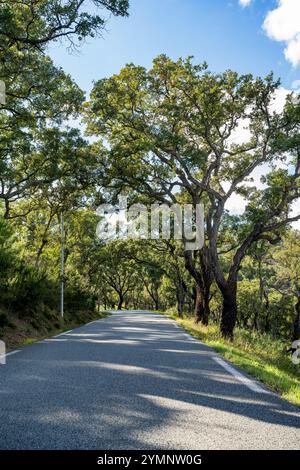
column 283, row 24
column 292, row 51
column 296, row 212
column 280, row 96
column 296, row 85
column 236, row 204
column 245, row 3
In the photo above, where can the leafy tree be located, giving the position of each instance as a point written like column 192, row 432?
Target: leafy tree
column 113, row 265
column 8, row 254
column 175, row 126
column 34, row 23
column 37, row 148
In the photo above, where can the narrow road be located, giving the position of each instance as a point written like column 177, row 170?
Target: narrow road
column 136, row 381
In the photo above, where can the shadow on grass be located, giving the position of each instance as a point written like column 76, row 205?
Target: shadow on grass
column 259, row 355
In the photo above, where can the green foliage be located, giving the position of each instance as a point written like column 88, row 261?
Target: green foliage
column 38, row 147
column 46, row 166
column 7, row 254
column 175, row 125
column 30, row 24
column 30, row 284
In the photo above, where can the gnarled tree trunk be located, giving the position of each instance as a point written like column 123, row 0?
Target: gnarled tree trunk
column 180, row 301
column 120, row 303
column 199, row 303
column 203, row 280
column 229, row 310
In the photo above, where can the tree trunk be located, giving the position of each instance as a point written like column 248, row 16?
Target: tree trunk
column 120, row 303
column 194, row 296
column 154, row 295
column 180, row 309
column 202, row 308
column 207, row 280
column 181, row 290
column 199, row 304
column 229, row 310
column 296, row 322
column 180, row 302
column 203, row 279
column 206, row 301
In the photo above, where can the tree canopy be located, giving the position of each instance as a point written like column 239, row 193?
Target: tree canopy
column 174, row 133
column 174, row 126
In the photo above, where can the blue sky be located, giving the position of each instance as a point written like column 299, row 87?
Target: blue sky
column 221, row 32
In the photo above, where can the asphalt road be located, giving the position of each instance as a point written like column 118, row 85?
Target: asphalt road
column 136, row 381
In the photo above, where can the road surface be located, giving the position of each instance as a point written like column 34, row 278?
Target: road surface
column 136, row 381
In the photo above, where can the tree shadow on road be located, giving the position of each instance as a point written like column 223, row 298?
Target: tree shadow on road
column 128, row 384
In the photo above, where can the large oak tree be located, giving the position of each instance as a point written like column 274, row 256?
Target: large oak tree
column 174, row 127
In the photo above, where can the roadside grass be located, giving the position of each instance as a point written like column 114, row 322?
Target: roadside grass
column 257, row 354
column 23, row 334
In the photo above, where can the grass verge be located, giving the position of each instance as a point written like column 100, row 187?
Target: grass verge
column 257, row 354
column 22, row 333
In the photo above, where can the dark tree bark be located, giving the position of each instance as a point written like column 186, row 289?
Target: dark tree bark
column 203, row 279
column 121, row 300
column 181, row 291
column 206, row 302
column 202, row 309
column 180, row 305
column 207, row 279
column 199, row 304
column 229, row 311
